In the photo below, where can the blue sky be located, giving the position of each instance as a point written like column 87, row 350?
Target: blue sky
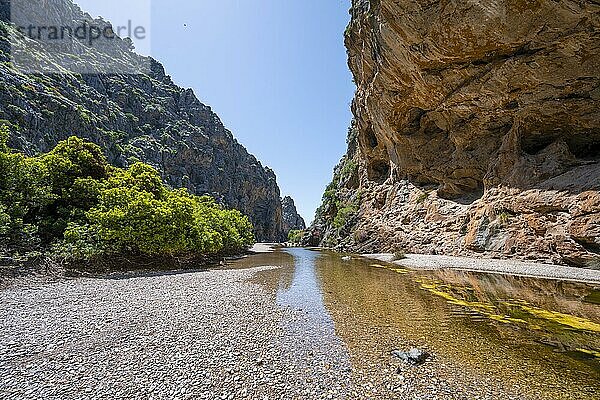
column 275, row 71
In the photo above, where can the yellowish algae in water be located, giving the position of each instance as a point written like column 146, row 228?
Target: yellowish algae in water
column 562, row 319
column 489, row 310
column 397, row 270
column 590, row 352
column 509, row 320
column 453, row 300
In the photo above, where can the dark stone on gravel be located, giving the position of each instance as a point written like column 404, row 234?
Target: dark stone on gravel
column 414, row 357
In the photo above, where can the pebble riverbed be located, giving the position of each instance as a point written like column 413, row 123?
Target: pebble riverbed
column 215, row 334
column 203, row 335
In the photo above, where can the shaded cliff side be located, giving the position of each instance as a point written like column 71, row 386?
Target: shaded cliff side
column 292, row 221
column 477, row 131
column 136, row 117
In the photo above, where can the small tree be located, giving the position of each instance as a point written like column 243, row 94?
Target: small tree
column 296, row 236
column 4, row 135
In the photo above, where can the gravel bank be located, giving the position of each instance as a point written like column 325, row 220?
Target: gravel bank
column 259, row 333
column 202, row 335
column 509, row 267
column 263, row 248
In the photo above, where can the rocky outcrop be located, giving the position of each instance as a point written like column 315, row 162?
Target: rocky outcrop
column 292, row 221
column 477, row 129
column 137, row 117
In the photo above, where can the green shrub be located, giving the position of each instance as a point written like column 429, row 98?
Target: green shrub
column 81, row 207
column 330, row 193
column 504, row 218
column 27, row 87
column 129, row 220
column 399, row 254
column 84, row 114
column 7, row 126
column 4, row 135
column 422, row 197
column 350, row 167
column 4, row 220
column 344, row 215
column 73, row 172
column 136, row 213
column 23, row 192
column 295, row 236
column 132, row 118
column 348, row 30
column 115, row 135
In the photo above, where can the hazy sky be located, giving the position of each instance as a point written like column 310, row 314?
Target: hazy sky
column 274, row 71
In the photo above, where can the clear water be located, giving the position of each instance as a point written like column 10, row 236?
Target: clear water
column 539, row 335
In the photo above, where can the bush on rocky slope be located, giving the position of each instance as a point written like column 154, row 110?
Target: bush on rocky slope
column 295, row 236
column 73, row 202
column 133, row 117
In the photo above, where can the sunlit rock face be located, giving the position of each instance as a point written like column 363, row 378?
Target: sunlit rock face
column 478, row 127
column 143, row 117
column 291, row 219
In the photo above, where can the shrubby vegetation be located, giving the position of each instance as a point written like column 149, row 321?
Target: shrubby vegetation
column 71, row 202
column 295, row 236
column 346, row 212
column 336, row 209
column 399, row 254
column 350, row 168
column 423, row 197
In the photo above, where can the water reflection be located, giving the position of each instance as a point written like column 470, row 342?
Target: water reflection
column 551, row 312
column 538, row 338
column 307, row 329
column 310, row 330
column 536, row 335
column 304, row 291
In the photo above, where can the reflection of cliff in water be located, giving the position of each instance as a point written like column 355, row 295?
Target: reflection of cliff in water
column 552, row 312
column 310, row 332
column 525, row 331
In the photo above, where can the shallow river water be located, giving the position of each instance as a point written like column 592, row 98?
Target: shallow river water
column 540, row 338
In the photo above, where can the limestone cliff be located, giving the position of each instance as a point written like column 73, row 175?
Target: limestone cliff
column 477, row 130
column 292, row 221
column 136, row 117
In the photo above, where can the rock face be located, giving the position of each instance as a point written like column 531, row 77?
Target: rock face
column 292, row 221
column 477, row 129
column 137, row 117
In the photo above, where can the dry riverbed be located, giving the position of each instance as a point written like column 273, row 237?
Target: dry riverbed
column 207, row 335
column 493, row 266
column 244, row 333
